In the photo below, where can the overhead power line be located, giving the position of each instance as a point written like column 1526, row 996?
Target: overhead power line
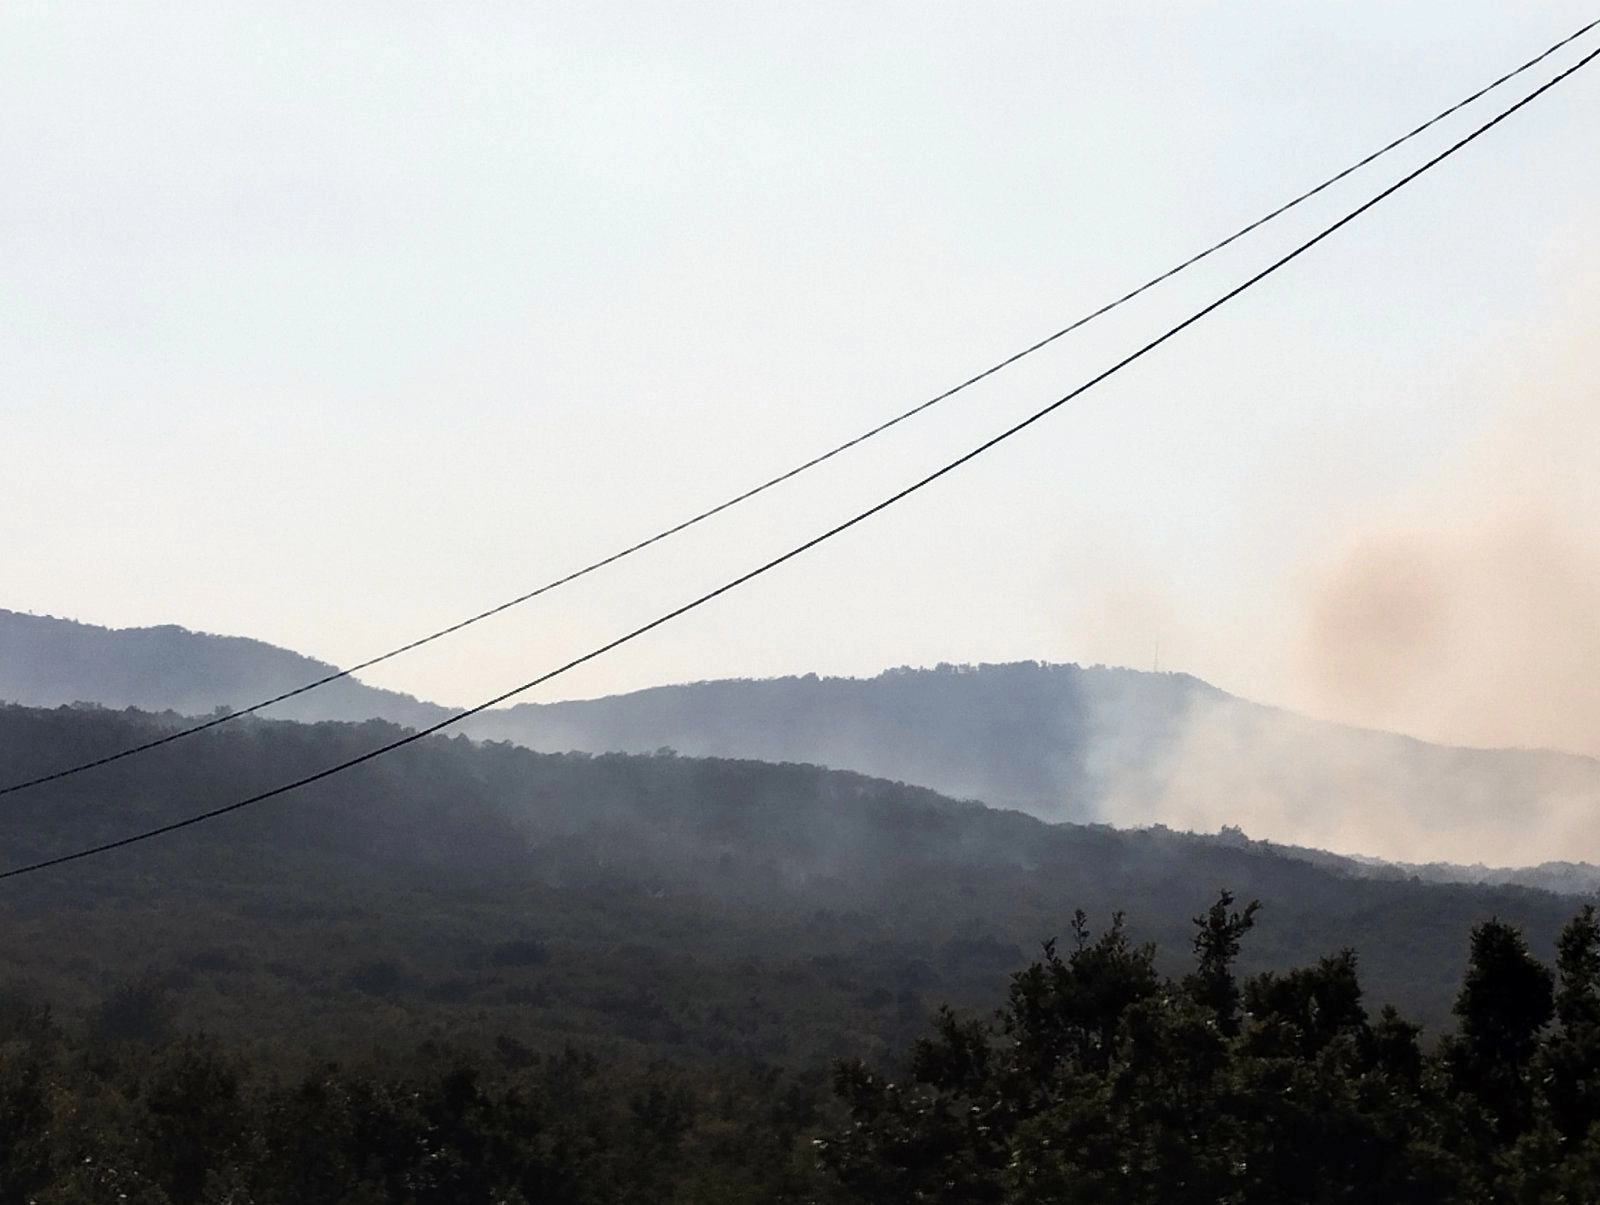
column 815, row 461
column 838, row 529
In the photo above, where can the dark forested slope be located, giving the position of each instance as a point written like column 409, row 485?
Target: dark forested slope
column 713, row 905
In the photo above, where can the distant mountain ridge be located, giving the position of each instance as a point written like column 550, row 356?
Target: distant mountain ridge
column 50, row 662
column 1033, row 736
column 1095, row 743
column 1061, row 742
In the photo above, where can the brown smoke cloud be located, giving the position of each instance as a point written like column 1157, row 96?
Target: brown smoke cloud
column 1466, row 613
column 1484, row 634
column 1471, row 615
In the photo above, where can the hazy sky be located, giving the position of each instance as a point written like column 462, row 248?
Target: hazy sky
column 331, row 324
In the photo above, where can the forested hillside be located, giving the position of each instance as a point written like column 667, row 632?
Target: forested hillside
column 1068, row 742
column 475, row 973
column 1062, row 742
column 690, row 902
column 1049, row 739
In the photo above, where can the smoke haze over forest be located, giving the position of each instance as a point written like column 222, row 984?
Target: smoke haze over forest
column 1062, row 742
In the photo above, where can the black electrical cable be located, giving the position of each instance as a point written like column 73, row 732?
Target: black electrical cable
column 790, row 474
column 859, row 517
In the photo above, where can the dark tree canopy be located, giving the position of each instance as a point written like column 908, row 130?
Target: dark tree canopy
column 1099, row 1081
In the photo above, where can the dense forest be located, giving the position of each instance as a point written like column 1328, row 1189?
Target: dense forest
column 679, row 903
column 470, row 972
column 1098, row 1079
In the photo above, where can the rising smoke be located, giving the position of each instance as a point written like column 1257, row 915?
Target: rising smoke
column 1467, row 614
column 1470, row 613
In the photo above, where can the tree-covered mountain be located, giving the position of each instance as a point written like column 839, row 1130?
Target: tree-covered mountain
column 474, row 972
column 1062, row 742
column 1043, row 738
column 677, row 901
column 1069, row 742
column 47, row 662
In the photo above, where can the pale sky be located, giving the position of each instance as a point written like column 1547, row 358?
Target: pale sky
column 333, row 324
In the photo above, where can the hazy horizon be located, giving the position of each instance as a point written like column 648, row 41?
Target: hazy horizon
column 1060, row 742
column 334, row 327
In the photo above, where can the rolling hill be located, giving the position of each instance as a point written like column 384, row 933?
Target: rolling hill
column 1068, row 742
column 1061, row 742
column 664, row 894
column 48, row 662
